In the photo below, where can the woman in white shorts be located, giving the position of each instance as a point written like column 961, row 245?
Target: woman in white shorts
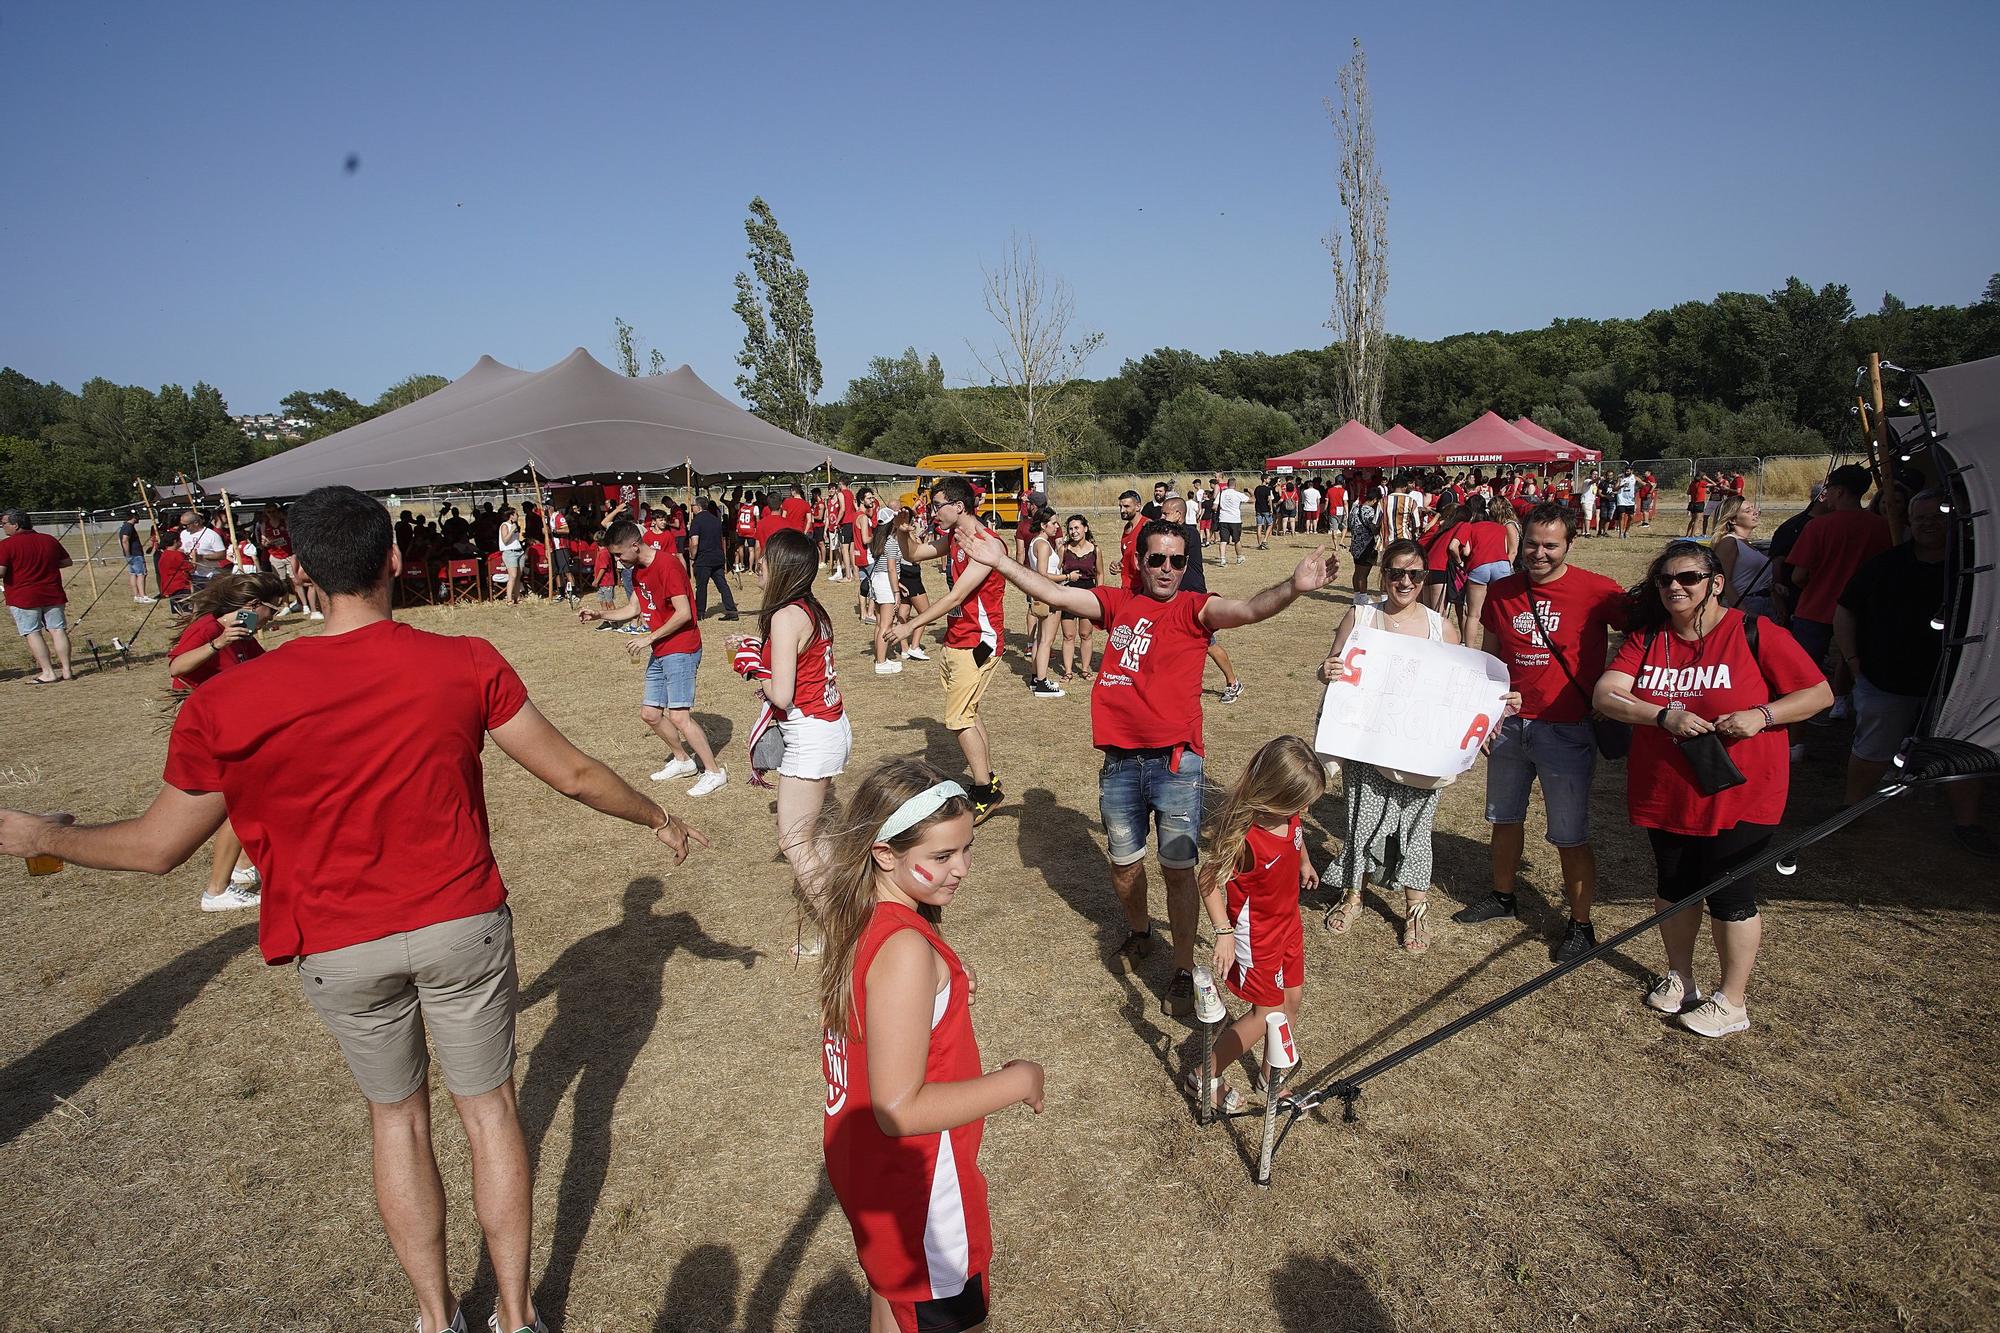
column 885, row 562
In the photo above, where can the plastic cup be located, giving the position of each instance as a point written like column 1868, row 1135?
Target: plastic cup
column 1207, row 999
column 1280, row 1052
column 44, row 865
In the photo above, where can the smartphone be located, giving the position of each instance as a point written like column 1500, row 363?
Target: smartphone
column 246, row 619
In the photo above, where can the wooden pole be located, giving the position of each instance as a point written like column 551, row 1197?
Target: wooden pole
column 548, row 529
column 146, row 496
column 1879, row 445
column 89, row 565
column 690, row 482
column 229, row 526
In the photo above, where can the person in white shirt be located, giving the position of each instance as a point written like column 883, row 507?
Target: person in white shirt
column 1309, row 507
column 203, row 546
column 1229, row 504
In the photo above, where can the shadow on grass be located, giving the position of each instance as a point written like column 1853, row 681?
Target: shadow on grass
column 1318, row 1294
column 141, row 1013
column 702, row 1293
column 606, row 988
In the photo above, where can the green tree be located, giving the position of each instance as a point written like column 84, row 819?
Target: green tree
column 780, row 358
column 891, row 385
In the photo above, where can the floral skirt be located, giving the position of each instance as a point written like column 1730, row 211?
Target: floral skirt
column 1388, row 836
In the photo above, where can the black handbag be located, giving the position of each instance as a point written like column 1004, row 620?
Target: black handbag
column 1714, row 771
column 1613, row 738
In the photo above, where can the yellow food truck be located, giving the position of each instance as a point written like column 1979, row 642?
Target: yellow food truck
column 999, row 477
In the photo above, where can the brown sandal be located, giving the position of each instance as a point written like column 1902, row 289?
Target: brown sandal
column 1416, row 935
column 1341, row 918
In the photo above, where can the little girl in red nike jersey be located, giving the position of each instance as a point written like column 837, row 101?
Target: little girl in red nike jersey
column 1259, row 846
column 906, row 1100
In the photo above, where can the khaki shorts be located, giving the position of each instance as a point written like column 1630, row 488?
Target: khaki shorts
column 455, row 979
column 964, row 683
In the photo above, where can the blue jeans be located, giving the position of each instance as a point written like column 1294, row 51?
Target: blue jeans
column 1134, row 784
column 1563, row 755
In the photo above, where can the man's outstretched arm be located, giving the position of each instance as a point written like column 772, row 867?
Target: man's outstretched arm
column 174, row 825
column 533, row 742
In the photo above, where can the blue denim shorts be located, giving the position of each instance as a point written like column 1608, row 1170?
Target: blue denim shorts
column 135, row 564
column 1563, row 755
column 1490, row 572
column 1134, row 784
column 670, row 680
column 30, row 619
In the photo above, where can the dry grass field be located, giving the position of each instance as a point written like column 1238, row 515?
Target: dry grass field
column 181, row 1147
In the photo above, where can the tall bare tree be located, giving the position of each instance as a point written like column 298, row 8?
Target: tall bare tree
column 1361, row 253
column 1036, row 360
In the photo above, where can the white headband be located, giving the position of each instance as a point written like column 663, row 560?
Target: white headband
column 917, row 809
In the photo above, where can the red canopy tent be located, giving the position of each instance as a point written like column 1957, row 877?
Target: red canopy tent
column 1490, row 438
column 1353, row 445
column 1567, row 451
column 1404, row 438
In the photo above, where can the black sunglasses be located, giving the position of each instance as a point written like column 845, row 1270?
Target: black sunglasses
column 1159, row 558
column 1403, row 575
column 1687, row 578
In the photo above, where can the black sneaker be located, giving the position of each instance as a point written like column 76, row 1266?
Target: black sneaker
column 1138, row 944
column 1579, row 938
column 1489, row 908
column 1180, row 996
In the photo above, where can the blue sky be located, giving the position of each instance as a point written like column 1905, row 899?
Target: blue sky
column 181, row 212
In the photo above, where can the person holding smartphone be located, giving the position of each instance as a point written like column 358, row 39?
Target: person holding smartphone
column 224, row 616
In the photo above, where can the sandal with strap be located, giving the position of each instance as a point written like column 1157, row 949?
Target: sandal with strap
column 1416, row 935
column 1220, row 1095
column 1341, row 916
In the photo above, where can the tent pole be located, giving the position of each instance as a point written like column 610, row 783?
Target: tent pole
column 89, row 565
column 548, row 529
column 1878, row 451
column 229, row 526
column 690, row 482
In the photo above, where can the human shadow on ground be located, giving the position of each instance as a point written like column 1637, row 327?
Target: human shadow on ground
column 941, row 749
column 35, row 1083
column 607, row 994
column 719, row 730
column 1318, row 1294
column 702, row 1293
column 1061, row 844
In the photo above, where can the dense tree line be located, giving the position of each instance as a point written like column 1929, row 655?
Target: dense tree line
column 1743, row 374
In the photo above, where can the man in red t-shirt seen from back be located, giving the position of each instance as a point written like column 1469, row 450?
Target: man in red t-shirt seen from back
column 1547, row 625
column 349, row 763
column 663, row 601
column 31, row 565
column 1145, row 714
column 1834, row 545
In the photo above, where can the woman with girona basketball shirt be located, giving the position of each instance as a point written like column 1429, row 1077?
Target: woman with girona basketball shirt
column 1707, row 691
column 906, row 1095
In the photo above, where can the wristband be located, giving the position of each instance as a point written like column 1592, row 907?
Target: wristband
column 1225, row 930
column 1661, row 720
column 1769, row 721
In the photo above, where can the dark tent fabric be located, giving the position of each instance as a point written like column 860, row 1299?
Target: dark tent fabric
column 575, row 419
column 1966, row 422
column 1353, row 445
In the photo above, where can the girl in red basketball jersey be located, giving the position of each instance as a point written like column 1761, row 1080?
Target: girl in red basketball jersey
column 1259, row 843
column 906, row 1101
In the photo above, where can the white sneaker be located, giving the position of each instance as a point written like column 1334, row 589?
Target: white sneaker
column 916, row 654
column 230, row 899
column 493, row 1326
column 1716, row 1017
column 316, row 615
column 676, row 768
column 457, row 1324
column 713, row 780
column 143, row 600
column 888, row 668
column 247, row 879
column 1670, row 994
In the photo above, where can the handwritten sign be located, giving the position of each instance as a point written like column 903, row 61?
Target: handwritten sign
column 1410, row 704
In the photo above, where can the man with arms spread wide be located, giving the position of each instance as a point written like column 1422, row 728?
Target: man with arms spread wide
column 1145, row 714
column 349, row 765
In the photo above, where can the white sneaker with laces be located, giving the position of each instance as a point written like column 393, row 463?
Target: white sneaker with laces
column 457, row 1324
column 231, row 899
column 316, row 615
column 676, row 768
column 1670, row 994
column 888, row 668
column 247, row 879
column 916, row 654
column 1716, row 1016
column 713, row 780
column 493, row 1325
column 143, row 600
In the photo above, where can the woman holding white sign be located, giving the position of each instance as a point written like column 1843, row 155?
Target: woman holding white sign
column 1387, row 805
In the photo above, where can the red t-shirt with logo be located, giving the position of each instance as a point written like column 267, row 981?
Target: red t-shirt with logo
column 350, row 763
column 1577, row 610
column 1715, row 676
column 663, row 541
column 981, row 617
column 1831, row 548
column 1148, row 690
column 206, row 629
column 34, row 569
column 656, row 585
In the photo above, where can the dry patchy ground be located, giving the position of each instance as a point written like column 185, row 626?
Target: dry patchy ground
column 182, row 1147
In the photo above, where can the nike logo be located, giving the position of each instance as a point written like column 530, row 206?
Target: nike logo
column 1274, row 860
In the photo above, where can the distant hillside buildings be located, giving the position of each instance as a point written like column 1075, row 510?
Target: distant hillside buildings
column 271, row 426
